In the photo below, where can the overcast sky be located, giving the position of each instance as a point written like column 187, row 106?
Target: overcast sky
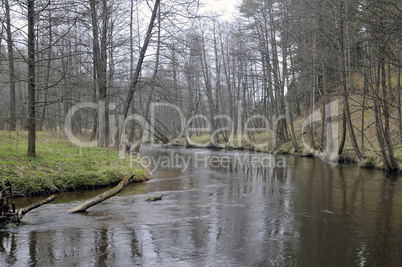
column 227, row 6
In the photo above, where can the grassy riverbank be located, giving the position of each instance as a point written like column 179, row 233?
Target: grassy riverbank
column 263, row 142
column 60, row 166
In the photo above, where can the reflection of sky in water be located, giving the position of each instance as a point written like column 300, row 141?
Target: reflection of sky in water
column 306, row 213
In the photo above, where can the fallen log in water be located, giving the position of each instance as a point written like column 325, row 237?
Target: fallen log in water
column 102, row 197
column 21, row 212
column 7, row 215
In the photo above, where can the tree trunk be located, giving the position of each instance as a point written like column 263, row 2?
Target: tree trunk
column 281, row 130
column 365, row 90
column 103, row 80
column 99, row 52
column 292, row 128
column 136, row 75
column 398, row 90
column 308, row 126
column 49, row 56
column 31, row 123
column 342, row 69
column 330, row 140
column 208, row 85
column 11, row 67
column 344, row 131
column 289, row 86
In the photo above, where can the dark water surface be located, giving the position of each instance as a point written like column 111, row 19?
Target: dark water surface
column 254, row 210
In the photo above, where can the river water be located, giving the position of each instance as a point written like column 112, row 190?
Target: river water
column 221, row 209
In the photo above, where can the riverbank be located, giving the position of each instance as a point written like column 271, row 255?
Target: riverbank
column 60, row 166
column 371, row 160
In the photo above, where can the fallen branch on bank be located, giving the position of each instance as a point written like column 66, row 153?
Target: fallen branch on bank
column 102, row 197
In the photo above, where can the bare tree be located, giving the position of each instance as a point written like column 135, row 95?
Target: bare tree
column 135, row 78
column 100, row 60
column 11, row 70
column 31, row 122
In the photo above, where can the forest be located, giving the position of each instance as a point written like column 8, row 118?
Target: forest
column 121, row 65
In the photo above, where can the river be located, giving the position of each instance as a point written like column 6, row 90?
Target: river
column 221, row 209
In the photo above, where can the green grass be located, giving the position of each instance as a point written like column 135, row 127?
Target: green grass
column 203, row 139
column 60, row 165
